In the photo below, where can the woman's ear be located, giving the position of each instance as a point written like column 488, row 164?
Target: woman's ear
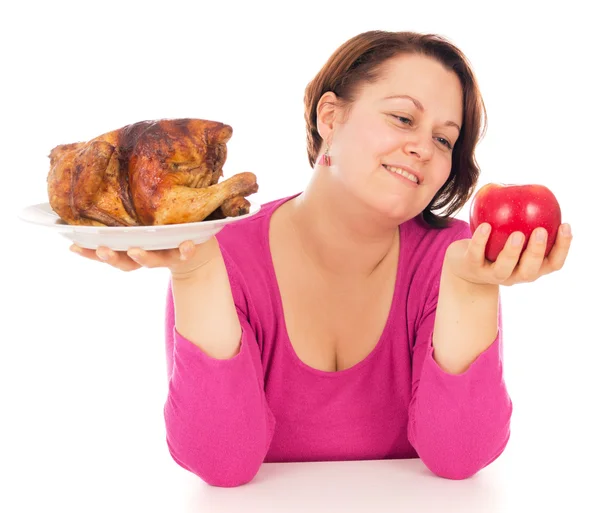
column 326, row 112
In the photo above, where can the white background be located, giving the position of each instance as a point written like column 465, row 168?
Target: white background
column 82, row 371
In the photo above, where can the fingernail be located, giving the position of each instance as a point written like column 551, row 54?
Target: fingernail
column 135, row 255
column 485, row 229
column 566, row 230
column 103, row 255
column 516, row 239
column 186, row 251
column 75, row 249
column 540, row 235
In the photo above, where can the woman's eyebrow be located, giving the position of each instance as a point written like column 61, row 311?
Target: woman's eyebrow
column 419, row 106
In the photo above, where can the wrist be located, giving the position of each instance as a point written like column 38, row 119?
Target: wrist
column 199, row 264
column 464, row 286
column 189, row 275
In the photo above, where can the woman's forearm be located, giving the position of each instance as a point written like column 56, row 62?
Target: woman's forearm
column 205, row 312
column 466, row 322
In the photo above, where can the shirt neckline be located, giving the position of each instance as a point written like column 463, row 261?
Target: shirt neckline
column 279, row 302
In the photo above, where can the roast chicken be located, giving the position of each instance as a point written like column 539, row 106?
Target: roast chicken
column 149, row 173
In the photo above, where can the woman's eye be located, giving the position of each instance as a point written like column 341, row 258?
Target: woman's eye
column 407, row 121
column 404, row 120
column 444, row 142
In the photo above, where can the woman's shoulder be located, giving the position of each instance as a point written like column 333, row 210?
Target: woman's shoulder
column 424, row 246
column 246, row 252
column 250, row 234
column 244, row 243
column 418, row 232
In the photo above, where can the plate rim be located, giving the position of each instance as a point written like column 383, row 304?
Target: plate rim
column 255, row 208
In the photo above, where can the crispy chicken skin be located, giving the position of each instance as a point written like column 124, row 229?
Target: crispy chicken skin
column 149, row 173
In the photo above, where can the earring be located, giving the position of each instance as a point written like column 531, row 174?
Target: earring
column 325, row 159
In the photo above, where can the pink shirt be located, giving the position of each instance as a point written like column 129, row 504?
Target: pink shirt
column 224, row 418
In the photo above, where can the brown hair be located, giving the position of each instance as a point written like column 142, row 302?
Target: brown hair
column 360, row 60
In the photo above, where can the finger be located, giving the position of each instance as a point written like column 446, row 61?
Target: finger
column 558, row 254
column 476, row 249
column 156, row 258
column 532, row 258
column 150, row 259
column 508, row 258
column 118, row 259
column 84, row 252
column 187, row 250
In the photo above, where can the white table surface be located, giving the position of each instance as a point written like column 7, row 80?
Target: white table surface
column 510, row 484
column 390, row 485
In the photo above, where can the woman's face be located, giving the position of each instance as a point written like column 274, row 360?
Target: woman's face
column 410, row 118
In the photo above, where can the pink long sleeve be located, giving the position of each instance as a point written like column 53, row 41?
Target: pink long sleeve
column 218, row 423
column 458, row 424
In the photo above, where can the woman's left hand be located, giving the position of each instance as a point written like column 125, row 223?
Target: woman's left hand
column 466, row 258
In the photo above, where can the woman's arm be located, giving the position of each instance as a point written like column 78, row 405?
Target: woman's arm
column 459, row 416
column 205, row 312
column 219, row 425
column 466, row 322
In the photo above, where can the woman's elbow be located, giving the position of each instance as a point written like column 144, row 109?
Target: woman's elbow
column 224, row 474
column 453, row 472
column 229, row 480
column 463, row 467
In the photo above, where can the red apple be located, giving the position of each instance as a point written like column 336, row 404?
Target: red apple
column 514, row 208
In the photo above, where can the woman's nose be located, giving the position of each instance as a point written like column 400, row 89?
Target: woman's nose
column 420, row 147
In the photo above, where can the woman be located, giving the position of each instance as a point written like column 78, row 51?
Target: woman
column 350, row 321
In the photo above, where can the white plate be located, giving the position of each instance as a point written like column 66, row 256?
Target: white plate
column 122, row 238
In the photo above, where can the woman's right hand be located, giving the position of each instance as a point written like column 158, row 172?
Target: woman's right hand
column 181, row 261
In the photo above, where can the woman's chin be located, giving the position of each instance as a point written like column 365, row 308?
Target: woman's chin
column 393, row 213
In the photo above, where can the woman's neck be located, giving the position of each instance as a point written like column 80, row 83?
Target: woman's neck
column 338, row 233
